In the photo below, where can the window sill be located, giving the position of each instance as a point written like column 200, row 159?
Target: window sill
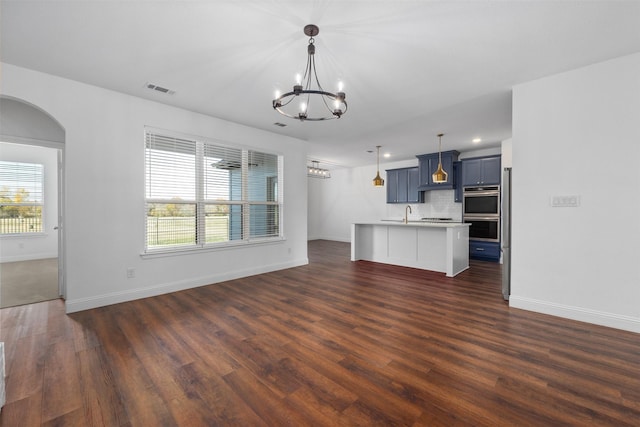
column 24, row 235
column 190, row 250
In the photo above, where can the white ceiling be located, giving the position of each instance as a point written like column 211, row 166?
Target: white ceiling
column 411, row 69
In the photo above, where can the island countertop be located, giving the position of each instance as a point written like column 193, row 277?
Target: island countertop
column 415, row 223
column 441, row 246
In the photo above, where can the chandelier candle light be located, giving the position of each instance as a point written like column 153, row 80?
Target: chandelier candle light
column 308, row 88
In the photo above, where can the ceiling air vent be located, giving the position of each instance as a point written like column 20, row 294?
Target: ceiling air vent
column 279, row 124
column 160, row 88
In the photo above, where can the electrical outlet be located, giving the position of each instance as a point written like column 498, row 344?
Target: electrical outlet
column 131, row 273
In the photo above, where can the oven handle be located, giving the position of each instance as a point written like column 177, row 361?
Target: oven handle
column 481, row 218
column 482, row 193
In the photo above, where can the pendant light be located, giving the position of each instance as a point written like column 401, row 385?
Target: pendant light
column 378, row 181
column 440, row 176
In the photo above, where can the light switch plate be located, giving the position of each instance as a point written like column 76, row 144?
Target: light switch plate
column 570, row 201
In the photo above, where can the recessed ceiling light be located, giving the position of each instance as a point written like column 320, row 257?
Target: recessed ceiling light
column 476, row 140
column 387, row 155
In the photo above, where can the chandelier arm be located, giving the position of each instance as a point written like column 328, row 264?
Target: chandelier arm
column 313, row 92
column 297, row 117
column 308, row 101
column 315, row 74
column 287, row 98
column 310, row 56
column 288, row 102
column 310, row 71
column 324, row 96
column 324, row 100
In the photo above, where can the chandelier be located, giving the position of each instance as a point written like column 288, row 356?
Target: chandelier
column 315, row 171
column 315, row 104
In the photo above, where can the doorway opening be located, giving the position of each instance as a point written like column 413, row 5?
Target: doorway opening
column 31, row 205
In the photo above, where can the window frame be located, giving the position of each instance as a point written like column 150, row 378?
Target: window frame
column 201, row 202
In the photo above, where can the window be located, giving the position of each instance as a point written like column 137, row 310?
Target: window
column 201, row 194
column 21, row 197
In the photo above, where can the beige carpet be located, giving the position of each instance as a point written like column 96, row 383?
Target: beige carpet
column 27, row 282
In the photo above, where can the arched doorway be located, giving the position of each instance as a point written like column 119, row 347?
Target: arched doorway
column 31, row 233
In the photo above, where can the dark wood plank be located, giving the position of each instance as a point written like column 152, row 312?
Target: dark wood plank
column 102, row 402
column 61, row 386
column 25, row 367
column 331, row 343
column 24, row 412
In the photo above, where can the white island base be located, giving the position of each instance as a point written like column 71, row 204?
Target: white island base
column 442, row 247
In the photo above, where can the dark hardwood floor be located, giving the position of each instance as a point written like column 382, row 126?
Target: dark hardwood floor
column 331, row 343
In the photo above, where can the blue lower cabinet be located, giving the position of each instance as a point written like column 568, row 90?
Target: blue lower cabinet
column 487, row 251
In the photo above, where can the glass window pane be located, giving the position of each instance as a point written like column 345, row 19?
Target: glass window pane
column 171, row 224
column 21, row 197
column 222, row 173
column 170, row 168
column 263, row 172
column 264, row 221
column 223, row 223
column 23, row 219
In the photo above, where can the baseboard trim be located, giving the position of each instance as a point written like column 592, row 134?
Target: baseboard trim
column 80, row 304
column 29, row 257
column 335, row 239
column 595, row 317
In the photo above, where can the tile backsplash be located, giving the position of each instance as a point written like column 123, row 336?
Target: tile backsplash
column 437, row 204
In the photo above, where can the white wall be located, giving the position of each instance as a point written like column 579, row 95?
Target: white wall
column 346, row 197
column 507, row 153
column 480, row 152
column 21, row 122
column 104, row 205
column 42, row 245
column 349, row 196
column 578, row 133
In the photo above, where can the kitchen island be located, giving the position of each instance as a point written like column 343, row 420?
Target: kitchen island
column 435, row 246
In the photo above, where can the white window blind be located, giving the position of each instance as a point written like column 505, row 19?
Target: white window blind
column 263, row 193
column 21, row 197
column 202, row 194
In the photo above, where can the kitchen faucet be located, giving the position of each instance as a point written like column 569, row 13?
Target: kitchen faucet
column 406, row 215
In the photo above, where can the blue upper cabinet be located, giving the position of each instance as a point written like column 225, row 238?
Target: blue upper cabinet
column 481, row 171
column 402, row 186
column 413, row 179
column 457, row 181
column 428, row 164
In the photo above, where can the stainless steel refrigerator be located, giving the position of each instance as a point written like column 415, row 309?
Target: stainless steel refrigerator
column 506, row 233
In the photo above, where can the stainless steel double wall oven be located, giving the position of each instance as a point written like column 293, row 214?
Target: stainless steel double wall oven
column 481, row 209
